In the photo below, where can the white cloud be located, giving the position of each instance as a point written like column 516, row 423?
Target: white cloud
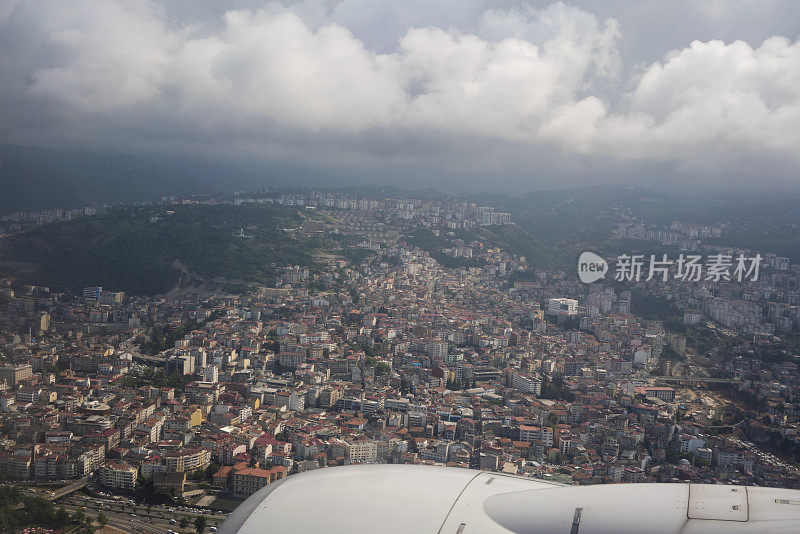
column 264, row 65
column 714, row 100
column 104, row 54
column 274, row 67
column 536, row 79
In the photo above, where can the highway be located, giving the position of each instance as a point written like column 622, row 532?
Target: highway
column 125, row 522
column 66, row 490
column 135, row 518
column 692, row 379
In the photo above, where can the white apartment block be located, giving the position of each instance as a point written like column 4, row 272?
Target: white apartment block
column 437, row 350
column 361, row 450
column 437, row 451
column 526, row 384
column 535, row 434
column 118, row 475
column 562, row 306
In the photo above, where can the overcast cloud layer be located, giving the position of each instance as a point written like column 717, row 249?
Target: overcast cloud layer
column 699, row 92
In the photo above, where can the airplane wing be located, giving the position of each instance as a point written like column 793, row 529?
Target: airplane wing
column 410, row 499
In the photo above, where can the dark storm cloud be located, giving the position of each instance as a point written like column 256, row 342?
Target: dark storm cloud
column 448, row 92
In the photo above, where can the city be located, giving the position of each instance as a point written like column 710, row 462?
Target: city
column 196, row 400
column 446, row 267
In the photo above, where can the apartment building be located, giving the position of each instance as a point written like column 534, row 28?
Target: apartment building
column 13, row 375
column 562, row 306
column 361, row 450
column 118, row 475
column 187, row 459
column 437, row 451
column 250, row 480
column 526, row 384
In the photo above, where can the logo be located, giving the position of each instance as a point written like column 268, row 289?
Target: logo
column 591, row 267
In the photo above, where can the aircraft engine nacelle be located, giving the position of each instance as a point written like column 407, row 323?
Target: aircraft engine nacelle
column 409, row 499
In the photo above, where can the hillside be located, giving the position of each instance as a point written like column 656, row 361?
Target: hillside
column 514, row 239
column 126, row 250
column 570, row 221
column 510, row 238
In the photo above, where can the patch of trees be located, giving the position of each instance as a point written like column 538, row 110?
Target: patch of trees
column 163, row 337
column 18, row 510
column 555, row 388
column 156, row 378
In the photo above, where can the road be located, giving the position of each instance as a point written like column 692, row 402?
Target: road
column 157, row 522
column 126, row 523
column 693, row 379
column 764, row 455
column 70, row 488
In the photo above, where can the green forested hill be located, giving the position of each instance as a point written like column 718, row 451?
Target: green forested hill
column 128, row 250
column 510, row 238
column 516, row 240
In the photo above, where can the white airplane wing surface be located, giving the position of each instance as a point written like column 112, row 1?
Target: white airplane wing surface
column 408, row 499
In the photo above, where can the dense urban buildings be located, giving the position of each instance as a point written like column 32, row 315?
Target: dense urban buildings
column 393, row 357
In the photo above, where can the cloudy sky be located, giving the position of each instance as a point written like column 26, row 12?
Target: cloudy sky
column 494, row 94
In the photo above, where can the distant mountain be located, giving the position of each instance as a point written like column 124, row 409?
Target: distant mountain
column 33, row 178
column 569, row 221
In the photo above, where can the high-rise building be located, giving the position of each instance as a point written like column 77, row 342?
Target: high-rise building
column 42, row 322
column 437, row 349
column 211, row 374
column 14, row 374
column 110, row 297
column 329, row 397
column 182, row 365
column 118, row 475
column 560, row 306
column 92, row 293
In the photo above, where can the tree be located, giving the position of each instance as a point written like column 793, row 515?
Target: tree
column 62, row 517
column 198, row 475
column 184, row 522
column 9, row 495
column 102, row 520
column 556, row 388
column 83, row 523
column 382, row 368
column 212, row 468
column 552, row 420
column 39, row 510
column 79, row 517
column 200, row 524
